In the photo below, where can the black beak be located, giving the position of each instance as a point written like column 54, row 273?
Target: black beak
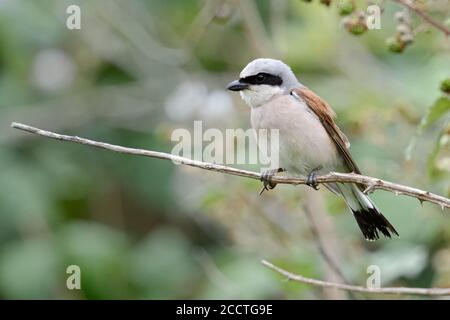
column 236, row 85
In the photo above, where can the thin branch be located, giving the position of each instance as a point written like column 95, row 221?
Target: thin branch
column 322, row 231
column 321, row 247
column 255, row 28
column 424, row 16
column 370, row 182
column 352, row 288
column 202, row 22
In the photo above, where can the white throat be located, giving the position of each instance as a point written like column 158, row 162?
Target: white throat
column 258, row 95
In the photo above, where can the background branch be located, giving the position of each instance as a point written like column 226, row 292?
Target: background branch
column 324, row 237
column 371, row 182
column 321, row 247
column 352, row 288
column 411, row 6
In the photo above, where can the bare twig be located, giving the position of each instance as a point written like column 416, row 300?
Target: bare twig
column 375, row 183
column 410, row 5
column 347, row 287
column 324, row 236
column 202, row 21
column 321, row 246
column 255, row 28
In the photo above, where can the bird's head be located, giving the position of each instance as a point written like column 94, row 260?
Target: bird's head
column 262, row 79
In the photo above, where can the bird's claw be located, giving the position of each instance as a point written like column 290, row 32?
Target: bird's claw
column 311, row 180
column 266, row 178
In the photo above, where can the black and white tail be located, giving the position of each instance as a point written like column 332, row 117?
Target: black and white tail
column 369, row 219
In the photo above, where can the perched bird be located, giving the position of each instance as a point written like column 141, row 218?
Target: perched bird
column 310, row 142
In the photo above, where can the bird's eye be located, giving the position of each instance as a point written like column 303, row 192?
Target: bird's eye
column 260, row 77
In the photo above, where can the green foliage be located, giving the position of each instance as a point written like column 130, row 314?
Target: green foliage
column 356, row 23
column 346, row 7
column 163, row 266
column 445, row 85
column 437, row 111
column 30, row 269
column 357, row 29
column 395, row 45
column 99, row 252
column 439, row 158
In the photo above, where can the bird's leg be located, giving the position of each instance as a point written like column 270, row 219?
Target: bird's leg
column 311, row 180
column 266, row 178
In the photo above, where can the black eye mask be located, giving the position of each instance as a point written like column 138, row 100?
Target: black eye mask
column 262, row 78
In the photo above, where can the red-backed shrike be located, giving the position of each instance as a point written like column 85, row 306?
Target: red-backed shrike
column 310, row 142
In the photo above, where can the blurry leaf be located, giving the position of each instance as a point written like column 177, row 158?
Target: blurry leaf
column 99, row 252
column 443, row 156
column 162, row 266
column 435, row 112
column 439, row 159
column 400, row 260
column 110, row 74
column 400, row 209
column 24, row 203
column 30, row 270
column 445, row 85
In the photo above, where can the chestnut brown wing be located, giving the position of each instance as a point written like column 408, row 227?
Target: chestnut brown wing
column 326, row 116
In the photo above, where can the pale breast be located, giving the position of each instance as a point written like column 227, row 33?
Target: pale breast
column 304, row 144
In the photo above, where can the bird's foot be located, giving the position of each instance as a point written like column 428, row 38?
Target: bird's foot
column 311, row 180
column 266, row 178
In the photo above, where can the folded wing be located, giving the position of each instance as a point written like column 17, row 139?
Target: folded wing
column 326, row 115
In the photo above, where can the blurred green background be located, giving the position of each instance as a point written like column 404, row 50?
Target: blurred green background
column 147, row 229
